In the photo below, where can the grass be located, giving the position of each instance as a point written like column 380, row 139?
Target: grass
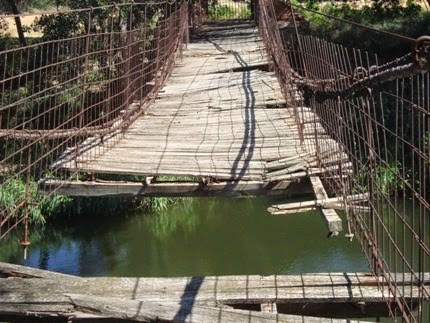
column 26, row 200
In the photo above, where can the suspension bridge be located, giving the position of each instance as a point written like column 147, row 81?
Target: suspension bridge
column 189, row 106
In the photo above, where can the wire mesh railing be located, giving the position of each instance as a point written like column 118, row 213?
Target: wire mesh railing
column 379, row 114
column 90, row 74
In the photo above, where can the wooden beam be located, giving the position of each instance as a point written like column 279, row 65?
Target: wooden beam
column 155, row 312
column 296, row 207
column 44, row 296
column 269, row 307
column 170, row 189
column 332, row 219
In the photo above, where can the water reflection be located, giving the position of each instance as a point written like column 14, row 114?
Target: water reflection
column 207, row 236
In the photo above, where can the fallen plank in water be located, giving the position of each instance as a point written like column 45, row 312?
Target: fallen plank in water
column 332, row 219
column 296, row 207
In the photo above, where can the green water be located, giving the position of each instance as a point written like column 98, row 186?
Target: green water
column 202, row 236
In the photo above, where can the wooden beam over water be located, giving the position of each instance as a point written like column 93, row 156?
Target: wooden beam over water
column 297, row 207
column 171, row 189
column 332, row 219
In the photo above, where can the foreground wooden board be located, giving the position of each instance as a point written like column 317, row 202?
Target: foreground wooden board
column 81, row 307
column 27, row 291
column 332, row 219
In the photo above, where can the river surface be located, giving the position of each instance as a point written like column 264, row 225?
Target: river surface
column 201, row 236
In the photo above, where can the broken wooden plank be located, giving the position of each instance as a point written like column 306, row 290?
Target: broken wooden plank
column 13, row 270
column 343, row 289
column 313, row 205
column 184, row 312
column 332, row 219
column 268, row 307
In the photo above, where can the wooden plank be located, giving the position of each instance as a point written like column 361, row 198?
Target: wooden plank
column 293, row 207
column 269, row 308
column 185, row 312
column 309, row 289
column 12, row 270
column 332, row 219
column 168, row 189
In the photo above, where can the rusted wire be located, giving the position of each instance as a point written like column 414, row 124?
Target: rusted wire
column 61, row 96
column 379, row 116
column 60, row 90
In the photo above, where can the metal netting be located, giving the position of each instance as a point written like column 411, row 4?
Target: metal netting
column 378, row 114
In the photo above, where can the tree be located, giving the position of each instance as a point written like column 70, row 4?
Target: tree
column 13, row 4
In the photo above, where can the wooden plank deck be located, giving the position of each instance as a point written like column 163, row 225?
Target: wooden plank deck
column 302, row 297
column 221, row 115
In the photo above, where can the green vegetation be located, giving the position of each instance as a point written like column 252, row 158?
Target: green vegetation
column 58, row 94
column 36, row 206
column 240, row 10
column 401, row 17
column 387, row 178
column 408, row 19
column 221, row 12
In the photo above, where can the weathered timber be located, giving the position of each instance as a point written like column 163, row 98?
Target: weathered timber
column 332, row 219
column 313, row 205
column 12, row 270
column 99, row 296
column 154, row 312
column 269, row 307
column 168, row 189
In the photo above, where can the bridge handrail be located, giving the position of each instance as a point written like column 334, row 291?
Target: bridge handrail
column 379, row 115
column 90, row 75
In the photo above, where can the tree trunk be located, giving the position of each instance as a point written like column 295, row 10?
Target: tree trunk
column 18, row 23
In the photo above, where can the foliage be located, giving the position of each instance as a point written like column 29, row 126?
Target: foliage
column 220, row 12
column 409, row 20
column 15, row 193
column 31, row 5
column 388, row 178
column 3, row 27
column 159, row 204
column 58, row 26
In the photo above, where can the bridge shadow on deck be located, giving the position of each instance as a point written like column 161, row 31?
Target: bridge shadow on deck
column 249, row 123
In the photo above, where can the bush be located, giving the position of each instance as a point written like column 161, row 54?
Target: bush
column 27, row 200
column 411, row 21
